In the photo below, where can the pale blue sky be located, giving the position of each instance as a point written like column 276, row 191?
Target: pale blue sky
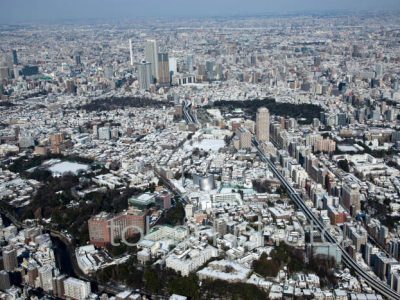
column 17, row 11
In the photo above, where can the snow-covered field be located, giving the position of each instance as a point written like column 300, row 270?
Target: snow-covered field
column 206, row 144
column 61, row 168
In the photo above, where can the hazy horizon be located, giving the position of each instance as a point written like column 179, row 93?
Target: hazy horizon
column 25, row 11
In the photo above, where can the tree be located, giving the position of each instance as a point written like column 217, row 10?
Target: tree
column 282, row 255
column 266, row 267
column 175, row 215
column 344, row 165
column 224, row 290
column 152, row 281
column 185, row 286
column 300, row 111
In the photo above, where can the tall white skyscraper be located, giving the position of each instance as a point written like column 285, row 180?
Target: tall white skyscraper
column 131, row 51
column 190, row 62
column 151, row 53
column 173, row 65
column 144, row 75
column 262, row 124
column 379, row 70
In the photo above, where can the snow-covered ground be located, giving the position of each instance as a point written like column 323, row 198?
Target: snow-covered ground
column 61, row 168
column 206, row 144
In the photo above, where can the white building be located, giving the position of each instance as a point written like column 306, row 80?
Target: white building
column 76, row 289
column 218, row 270
column 46, row 277
column 104, row 133
column 173, row 65
column 188, row 260
column 189, row 210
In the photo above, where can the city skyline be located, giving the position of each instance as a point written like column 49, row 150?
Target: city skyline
column 254, row 155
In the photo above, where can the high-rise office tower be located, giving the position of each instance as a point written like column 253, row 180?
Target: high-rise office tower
column 262, row 124
column 15, row 57
column 6, row 60
column 10, row 259
column 317, row 61
column 104, row 133
column 4, row 73
column 190, row 62
column 210, row 65
column 163, row 69
column 378, row 70
column 109, row 71
column 5, row 65
column 351, row 198
column 4, row 280
column 244, row 138
column 131, row 51
column 219, row 72
column 173, row 66
column 78, row 60
column 151, row 53
column 144, row 75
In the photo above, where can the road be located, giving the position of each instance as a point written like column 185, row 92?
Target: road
column 171, row 186
column 190, row 118
column 378, row 285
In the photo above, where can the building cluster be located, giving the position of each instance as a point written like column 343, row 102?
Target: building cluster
column 28, row 262
column 138, row 105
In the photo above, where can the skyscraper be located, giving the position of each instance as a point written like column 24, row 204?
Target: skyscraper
column 10, row 259
column 378, row 70
column 131, row 51
column 163, row 69
column 190, row 62
column 173, row 67
column 4, row 73
column 144, row 75
column 78, row 60
column 351, row 198
column 6, row 60
column 151, row 54
column 262, row 124
column 244, row 138
column 210, row 65
column 5, row 66
column 15, row 57
column 4, row 280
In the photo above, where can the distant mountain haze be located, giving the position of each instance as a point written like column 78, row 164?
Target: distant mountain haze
column 25, row 11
